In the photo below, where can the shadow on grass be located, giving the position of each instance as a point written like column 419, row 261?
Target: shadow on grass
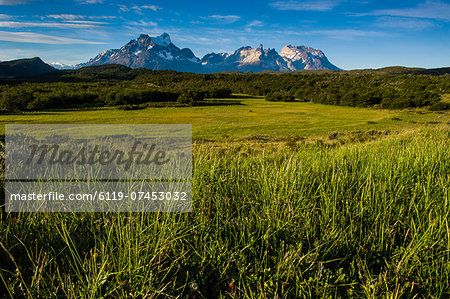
column 54, row 110
column 245, row 96
column 217, row 103
column 47, row 112
column 224, row 102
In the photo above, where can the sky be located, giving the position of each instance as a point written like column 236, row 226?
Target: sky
column 352, row 34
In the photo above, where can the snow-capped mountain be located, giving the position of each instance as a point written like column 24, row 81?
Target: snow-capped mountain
column 61, row 66
column 156, row 53
column 255, row 60
column 245, row 59
column 305, row 58
column 159, row 53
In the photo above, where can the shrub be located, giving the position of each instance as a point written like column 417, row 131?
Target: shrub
column 278, row 96
column 15, row 99
column 218, row 93
column 439, row 106
column 185, row 99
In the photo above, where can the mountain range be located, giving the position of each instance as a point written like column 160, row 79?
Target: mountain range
column 159, row 53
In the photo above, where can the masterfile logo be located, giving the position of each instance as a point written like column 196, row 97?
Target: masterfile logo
column 98, row 168
column 55, row 155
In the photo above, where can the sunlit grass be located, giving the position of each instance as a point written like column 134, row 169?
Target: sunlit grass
column 254, row 117
column 357, row 208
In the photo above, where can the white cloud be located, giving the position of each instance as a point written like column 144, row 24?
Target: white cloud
column 404, row 23
column 86, row 22
column 143, row 23
column 66, row 17
column 70, row 17
column 152, row 7
column 90, row 1
column 4, row 17
column 345, row 34
column 14, row 2
column 250, row 26
column 12, row 24
column 138, row 9
column 102, row 17
column 123, row 8
column 323, row 5
column 225, row 19
column 31, row 37
column 430, row 9
column 255, row 23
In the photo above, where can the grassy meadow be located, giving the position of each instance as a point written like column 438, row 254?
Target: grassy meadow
column 249, row 117
column 290, row 200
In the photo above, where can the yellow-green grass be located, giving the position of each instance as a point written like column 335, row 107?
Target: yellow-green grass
column 365, row 219
column 254, row 116
column 446, row 98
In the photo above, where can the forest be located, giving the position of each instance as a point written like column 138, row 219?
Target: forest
column 119, row 86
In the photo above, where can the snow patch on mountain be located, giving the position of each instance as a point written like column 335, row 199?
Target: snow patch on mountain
column 61, row 66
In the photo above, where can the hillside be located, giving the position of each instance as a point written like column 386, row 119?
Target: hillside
column 24, row 68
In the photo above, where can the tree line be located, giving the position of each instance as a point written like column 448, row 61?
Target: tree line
column 117, row 85
column 41, row 96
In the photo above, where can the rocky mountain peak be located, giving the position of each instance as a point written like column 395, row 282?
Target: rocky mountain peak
column 162, row 40
column 160, row 53
column 303, row 57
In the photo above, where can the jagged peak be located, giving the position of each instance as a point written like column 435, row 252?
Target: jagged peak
column 245, row 48
column 165, row 35
column 162, row 40
column 310, row 50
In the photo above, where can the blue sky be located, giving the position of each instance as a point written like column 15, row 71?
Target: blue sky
column 353, row 34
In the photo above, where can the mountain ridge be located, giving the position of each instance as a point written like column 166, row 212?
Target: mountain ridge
column 158, row 53
column 26, row 67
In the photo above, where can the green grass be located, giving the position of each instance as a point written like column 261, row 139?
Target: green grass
column 358, row 220
column 255, row 117
column 351, row 214
column 446, row 98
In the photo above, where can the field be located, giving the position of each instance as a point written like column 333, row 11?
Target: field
column 253, row 116
column 291, row 200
